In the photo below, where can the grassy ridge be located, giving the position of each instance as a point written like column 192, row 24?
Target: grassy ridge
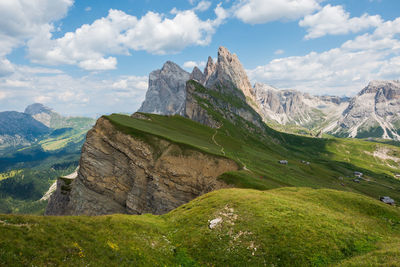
column 281, row 227
column 329, row 158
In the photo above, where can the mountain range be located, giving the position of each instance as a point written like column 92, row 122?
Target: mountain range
column 130, row 164
column 212, row 184
column 37, row 124
column 373, row 113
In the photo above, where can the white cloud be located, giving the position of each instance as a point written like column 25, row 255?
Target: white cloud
column 88, row 95
column 191, row 64
column 6, row 67
column 88, row 8
column 344, row 70
column 335, row 20
column 22, row 19
column 119, row 33
column 279, row 52
column 262, row 11
column 202, row 6
column 140, row 83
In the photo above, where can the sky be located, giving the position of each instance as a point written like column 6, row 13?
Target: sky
column 93, row 57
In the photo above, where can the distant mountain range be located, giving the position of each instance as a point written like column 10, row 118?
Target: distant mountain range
column 373, row 113
column 35, row 124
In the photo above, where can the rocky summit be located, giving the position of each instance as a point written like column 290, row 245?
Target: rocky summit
column 291, row 107
column 166, row 93
column 374, row 112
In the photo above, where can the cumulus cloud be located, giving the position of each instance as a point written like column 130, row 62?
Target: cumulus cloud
column 344, row 70
column 119, row 33
column 6, row 67
column 21, row 20
column 335, row 20
column 191, row 64
column 262, row 11
column 89, row 95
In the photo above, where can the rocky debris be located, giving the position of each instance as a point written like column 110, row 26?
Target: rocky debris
column 166, row 93
column 197, row 75
column 374, row 112
column 121, row 174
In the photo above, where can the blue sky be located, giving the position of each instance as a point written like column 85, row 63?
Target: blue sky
column 91, row 57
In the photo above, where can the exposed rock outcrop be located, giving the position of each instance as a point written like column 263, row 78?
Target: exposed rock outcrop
column 40, row 113
column 197, row 75
column 166, row 93
column 122, row 174
column 228, row 72
column 374, row 112
column 296, row 108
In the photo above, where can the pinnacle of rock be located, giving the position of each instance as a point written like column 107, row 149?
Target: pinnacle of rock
column 230, row 72
column 197, row 75
column 209, row 69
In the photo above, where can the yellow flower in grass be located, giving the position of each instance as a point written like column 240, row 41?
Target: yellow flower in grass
column 112, row 245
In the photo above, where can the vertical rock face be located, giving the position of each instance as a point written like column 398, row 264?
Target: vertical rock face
column 121, row 174
column 166, row 93
column 374, row 112
column 228, row 72
column 209, row 69
column 297, row 108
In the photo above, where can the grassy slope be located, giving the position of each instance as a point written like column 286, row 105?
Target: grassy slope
column 330, row 158
column 283, row 227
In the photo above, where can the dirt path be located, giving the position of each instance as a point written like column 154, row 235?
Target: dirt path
column 223, row 151
column 213, row 138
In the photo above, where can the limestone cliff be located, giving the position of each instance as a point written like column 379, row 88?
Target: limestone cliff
column 166, row 93
column 374, row 112
column 120, row 173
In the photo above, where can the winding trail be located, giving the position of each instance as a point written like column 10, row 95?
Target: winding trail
column 223, row 151
column 213, row 138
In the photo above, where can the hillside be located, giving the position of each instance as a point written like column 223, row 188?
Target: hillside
column 33, row 155
column 151, row 163
column 230, row 227
column 136, row 143
column 18, row 129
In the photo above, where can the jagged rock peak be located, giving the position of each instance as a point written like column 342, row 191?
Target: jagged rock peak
column 197, row 75
column 170, row 66
column 37, row 108
column 389, row 88
column 209, row 69
column 166, row 93
column 230, row 72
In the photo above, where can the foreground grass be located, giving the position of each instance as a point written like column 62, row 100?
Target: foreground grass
column 281, row 227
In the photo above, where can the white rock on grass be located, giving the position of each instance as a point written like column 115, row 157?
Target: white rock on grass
column 214, row 223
